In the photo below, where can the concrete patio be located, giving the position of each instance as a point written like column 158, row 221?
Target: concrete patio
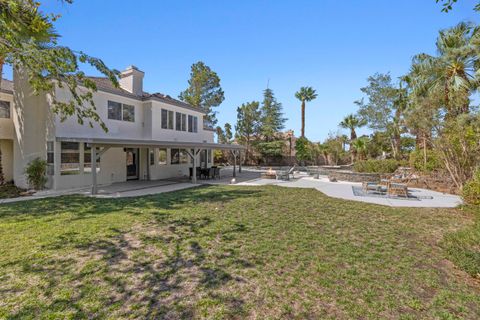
column 251, row 177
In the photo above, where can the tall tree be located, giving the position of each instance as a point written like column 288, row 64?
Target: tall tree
column 305, row 94
column 272, row 120
column 453, row 72
column 247, row 127
column 29, row 43
column 228, row 132
column 204, row 91
column 383, row 109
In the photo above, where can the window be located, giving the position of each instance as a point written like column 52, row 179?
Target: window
column 162, row 156
column 128, row 113
column 5, row 109
column 167, row 119
column 195, row 124
column 192, row 124
column 70, row 158
column 152, row 157
column 87, row 159
column 118, row 111
column 181, row 121
column 209, row 156
column 179, row 156
column 184, row 122
column 50, row 159
column 114, row 110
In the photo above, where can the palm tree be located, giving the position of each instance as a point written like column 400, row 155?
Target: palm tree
column 352, row 122
column 360, row 146
column 453, row 72
column 305, row 94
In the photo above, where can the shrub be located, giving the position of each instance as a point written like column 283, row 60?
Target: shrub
column 376, row 166
column 471, row 190
column 35, row 172
column 417, row 160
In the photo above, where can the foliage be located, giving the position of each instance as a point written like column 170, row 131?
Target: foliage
column 360, row 146
column 458, row 146
column 471, row 190
column 272, row 120
column 204, row 91
column 28, row 42
column 333, row 147
column 228, row 132
column 9, row 190
column 447, row 5
column 273, row 148
column 376, row 166
column 432, row 163
column 302, row 149
column 352, row 122
column 305, row 94
column 247, row 127
column 35, row 173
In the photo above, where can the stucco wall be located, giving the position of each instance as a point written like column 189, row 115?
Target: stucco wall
column 7, row 159
column 6, row 125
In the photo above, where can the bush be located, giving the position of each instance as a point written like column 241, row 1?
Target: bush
column 471, row 190
column 376, row 166
column 35, row 172
column 417, row 160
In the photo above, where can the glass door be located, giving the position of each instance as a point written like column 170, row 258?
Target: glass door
column 132, row 163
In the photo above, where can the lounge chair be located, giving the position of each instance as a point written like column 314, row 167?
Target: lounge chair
column 372, row 186
column 397, row 189
column 285, row 175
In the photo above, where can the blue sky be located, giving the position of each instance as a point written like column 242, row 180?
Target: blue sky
column 331, row 45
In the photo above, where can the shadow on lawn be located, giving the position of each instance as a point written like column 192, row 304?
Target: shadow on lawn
column 166, row 273
column 82, row 207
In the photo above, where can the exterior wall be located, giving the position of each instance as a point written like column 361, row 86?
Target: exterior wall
column 111, row 169
column 116, row 129
column 6, row 125
column 32, row 124
column 7, row 159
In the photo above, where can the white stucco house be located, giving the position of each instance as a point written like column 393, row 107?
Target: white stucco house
column 150, row 136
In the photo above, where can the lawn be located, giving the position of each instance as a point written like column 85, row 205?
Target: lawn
column 230, row 252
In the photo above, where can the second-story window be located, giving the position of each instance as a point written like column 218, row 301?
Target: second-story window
column 5, row 109
column 119, row 111
column 192, row 124
column 181, row 121
column 167, row 119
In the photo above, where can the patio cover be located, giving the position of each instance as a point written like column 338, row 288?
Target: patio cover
column 107, row 143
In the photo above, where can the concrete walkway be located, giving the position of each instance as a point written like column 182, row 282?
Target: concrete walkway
column 248, row 177
column 343, row 190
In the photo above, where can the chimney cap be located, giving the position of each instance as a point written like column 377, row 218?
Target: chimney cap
column 130, row 68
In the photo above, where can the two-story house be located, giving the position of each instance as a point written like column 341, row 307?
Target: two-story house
column 149, row 137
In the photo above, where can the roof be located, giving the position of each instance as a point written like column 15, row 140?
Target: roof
column 104, row 84
column 130, row 143
column 6, row 86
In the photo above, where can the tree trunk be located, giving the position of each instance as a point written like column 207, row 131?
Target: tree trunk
column 303, row 120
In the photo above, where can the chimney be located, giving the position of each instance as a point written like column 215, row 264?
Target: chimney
column 132, row 80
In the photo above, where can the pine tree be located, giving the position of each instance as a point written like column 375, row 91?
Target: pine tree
column 272, row 120
column 247, row 125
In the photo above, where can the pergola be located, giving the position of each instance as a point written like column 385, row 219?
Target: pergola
column 100, row 145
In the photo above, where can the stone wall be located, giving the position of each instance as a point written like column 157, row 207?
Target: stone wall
column 350, row 176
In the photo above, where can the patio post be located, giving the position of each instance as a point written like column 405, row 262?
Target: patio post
column 239, row 161
column 234, row 152
column 93, row 160
column 194, row 169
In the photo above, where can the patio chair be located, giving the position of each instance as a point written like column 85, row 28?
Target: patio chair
column 397, row 189
column 217, row 172
column 372, row 186
column 285, row 175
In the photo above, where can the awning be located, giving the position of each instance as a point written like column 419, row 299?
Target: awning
column 130, row 143
column 106, row 143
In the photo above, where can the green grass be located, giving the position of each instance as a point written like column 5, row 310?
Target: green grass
column 230, row 252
